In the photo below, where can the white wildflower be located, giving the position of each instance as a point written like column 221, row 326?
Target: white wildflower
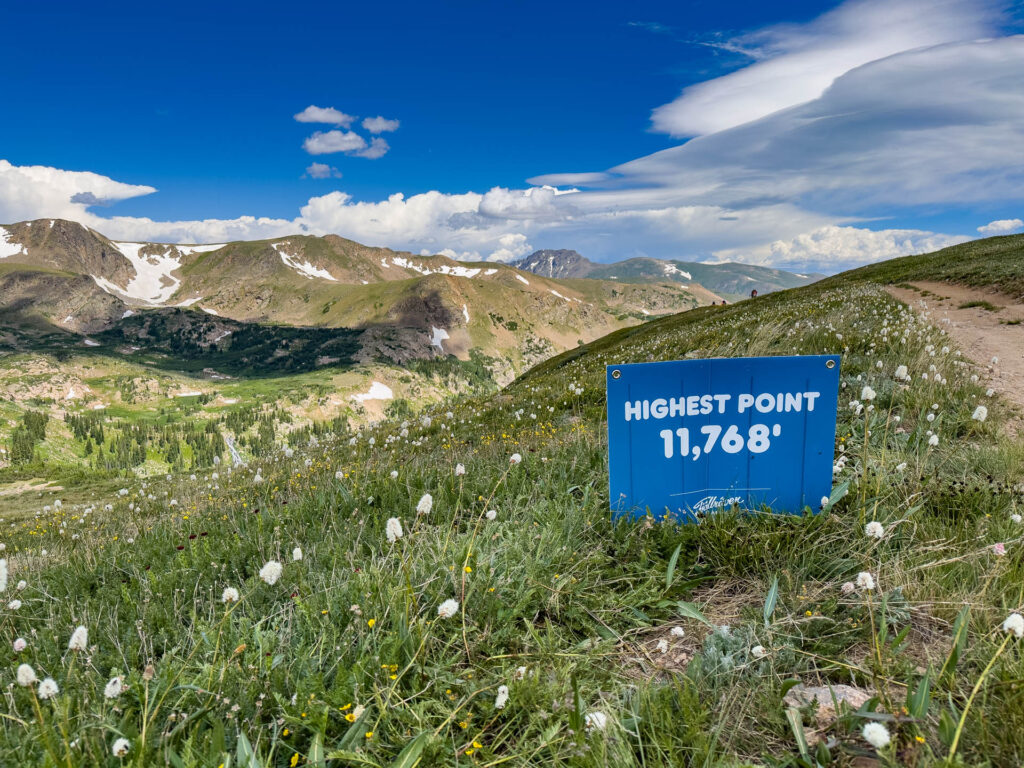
column 662, row 646
column 595, row 721
column 460, row 469
column 758, row 652
column 933, row 440
column 114, row 687
column 271, row 572
column 26, row 675
column 865, row 580
column 14, row 605
column 867, row 394
column 980, row 413
column 491, row 514
column 502, row 698
column 677, row 632
column 20, row 645
column 229, row 595
column 1014, row 623
column 876, row 734
column 296, row 554
column 1016, row 518
column 874, row 530
column 3, row 574
column 448, row 608
column 902, row 373
column 425, row 504
column 47, row 689
column 394, row 474
column 520, row 673
column 394, row 529
column 79, row 639
column 515, row 458
column 121, row 747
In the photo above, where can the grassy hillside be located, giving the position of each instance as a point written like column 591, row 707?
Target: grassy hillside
column 573, row 641
column 995, row 263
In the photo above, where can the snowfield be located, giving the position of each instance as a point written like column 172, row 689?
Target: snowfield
column 7, row 248
column 377, row 391
column 304, row 268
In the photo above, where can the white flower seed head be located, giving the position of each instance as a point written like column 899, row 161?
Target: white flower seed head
column 502, row 698
column 874, row 530
column 114, row 687
column 448, row 608
column 271, row 572
column 425, row 504
column 595, row 721
column 79, row 639
column 47, row 689
column 229, row 595
column 296, row 554
column 121, row 747
column 393, row 530
column 865, row 580
column 877, row 735
column 1014, row 623
column 26, row 675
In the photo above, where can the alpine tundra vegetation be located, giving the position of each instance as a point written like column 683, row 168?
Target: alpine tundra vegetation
column 457, row 593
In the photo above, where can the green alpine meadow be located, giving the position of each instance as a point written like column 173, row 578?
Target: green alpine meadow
column 445, row 585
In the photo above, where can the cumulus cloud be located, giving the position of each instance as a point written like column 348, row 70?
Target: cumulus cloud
column 322, row 171
column 328, row 115
column 796, row 63
column 33, row 191
column 328, row 142
column 1002, row 227
column 833, row 248
column 379, row 125
column 378, row 148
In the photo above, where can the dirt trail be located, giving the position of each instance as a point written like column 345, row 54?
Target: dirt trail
column 981, row 333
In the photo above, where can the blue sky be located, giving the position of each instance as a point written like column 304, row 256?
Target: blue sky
column 495, row 100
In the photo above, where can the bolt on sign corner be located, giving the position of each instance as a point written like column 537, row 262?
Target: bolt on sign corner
column 687, row 438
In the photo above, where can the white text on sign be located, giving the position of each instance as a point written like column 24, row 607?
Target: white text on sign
column 702, row 405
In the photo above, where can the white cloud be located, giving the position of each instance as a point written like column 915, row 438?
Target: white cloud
column 328, row 142
column 512, row 247
column 796, row 63
column 31, row 191
column 378, row 148
column 322, row 171
column 1001, row 227
column 833, row 248
column 328, row 115
column 379, row 125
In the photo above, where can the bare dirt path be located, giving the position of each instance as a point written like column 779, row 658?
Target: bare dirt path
column 992, row 329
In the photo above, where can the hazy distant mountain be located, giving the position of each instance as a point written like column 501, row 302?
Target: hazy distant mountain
column 63, row 276
column 732, row 280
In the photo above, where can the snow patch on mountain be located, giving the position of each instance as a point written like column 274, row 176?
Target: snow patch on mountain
column 8, row 248
column 444, row 269
column 437, row 335
column 304, row 268
column 672, row 269
column 153, row 282
column 377, row 391
column 465, row 312
column 522, row 280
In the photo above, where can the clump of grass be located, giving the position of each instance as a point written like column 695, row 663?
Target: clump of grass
column 988, row 306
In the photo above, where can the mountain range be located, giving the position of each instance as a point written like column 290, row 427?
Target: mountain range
column 730, row 280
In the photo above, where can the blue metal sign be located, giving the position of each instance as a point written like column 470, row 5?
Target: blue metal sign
column 688, row 438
